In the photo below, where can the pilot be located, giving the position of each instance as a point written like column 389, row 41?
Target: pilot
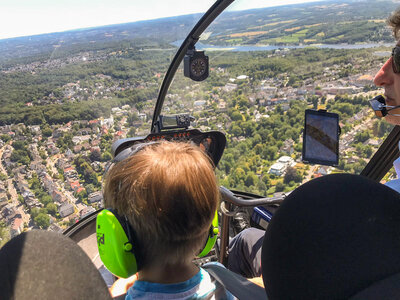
column 388, row 77
column 168, row 193
column 247, row 243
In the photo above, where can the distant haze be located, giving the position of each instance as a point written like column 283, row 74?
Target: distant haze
column 30, row 17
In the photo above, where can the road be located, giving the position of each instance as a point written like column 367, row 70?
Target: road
column 14, row 198
column 310, row 172
column 12, row 191
column 51, row 163
column 2, row 170
column 60, row 185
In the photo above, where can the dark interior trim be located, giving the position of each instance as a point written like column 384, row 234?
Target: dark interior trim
column 383, row 159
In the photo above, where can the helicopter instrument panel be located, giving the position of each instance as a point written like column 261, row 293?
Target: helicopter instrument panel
column 213, row 142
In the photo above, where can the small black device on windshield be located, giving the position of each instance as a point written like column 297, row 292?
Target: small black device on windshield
column 174, row 122
column 195, row 65
column 321, row 137
column 380, row 108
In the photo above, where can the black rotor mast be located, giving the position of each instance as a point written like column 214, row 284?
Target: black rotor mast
column 212, row 13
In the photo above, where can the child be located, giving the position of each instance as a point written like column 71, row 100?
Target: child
column 169, row 194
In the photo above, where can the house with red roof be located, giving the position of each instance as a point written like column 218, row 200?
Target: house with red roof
column 74, row 185
column 17, row 227
column 80, row 189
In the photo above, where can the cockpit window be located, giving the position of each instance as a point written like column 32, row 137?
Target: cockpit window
column 266, row 67
column 76, row 76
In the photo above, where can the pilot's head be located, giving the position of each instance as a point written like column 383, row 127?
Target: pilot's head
column 169, row 193
column 388, row 76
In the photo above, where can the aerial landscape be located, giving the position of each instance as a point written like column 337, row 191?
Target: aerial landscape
column 67, row 96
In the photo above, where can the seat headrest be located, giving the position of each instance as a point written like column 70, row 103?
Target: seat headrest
column 331, row 238
column 47, row 265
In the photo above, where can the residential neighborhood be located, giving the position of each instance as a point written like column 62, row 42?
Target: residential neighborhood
column 53, row 159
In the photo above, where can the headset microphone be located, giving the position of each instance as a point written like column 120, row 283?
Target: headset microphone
column 380, row 108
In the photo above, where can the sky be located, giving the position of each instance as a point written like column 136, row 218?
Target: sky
column 29, row 17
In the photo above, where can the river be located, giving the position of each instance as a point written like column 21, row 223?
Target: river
column 241, row 48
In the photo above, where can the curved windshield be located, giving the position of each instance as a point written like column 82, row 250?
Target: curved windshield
column 267, row 66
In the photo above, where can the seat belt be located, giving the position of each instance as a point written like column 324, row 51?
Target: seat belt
column 236, row 284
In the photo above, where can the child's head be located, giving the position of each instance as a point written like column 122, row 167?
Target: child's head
column 169, row 193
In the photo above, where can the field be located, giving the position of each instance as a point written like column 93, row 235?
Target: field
column 249, row 33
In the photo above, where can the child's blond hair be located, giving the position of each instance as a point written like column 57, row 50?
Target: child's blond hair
column 169, row 193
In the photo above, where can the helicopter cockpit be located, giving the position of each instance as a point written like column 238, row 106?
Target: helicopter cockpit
column 258, row 209
column 238, row 86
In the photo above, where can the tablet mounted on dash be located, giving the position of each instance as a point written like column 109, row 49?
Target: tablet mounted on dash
column 321, row 137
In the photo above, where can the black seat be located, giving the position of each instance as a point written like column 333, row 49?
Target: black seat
column 47, row 265
column 334, row 237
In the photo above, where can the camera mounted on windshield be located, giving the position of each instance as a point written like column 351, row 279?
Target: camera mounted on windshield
column 195, row 65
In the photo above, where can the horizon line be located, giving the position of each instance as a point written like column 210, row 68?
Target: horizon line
column 145, row 20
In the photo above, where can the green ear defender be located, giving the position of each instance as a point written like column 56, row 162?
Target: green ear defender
column 116, row 244
column 212, row 236
column 118, row 249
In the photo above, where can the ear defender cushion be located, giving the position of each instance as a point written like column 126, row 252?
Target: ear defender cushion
column 212, row 236
column 115, row 248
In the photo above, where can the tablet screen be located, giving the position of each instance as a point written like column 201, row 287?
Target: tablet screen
column 321, row 137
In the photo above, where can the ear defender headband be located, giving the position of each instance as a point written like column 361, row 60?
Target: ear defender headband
column 212, row 236
column 116, row 240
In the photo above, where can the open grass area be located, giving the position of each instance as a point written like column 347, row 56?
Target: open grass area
column 298, row 35
column 292, row 29
column 300, row 166
column 234, row 41
column 313, row 25
column 249, row 33
column 275, row 181
column 271, row 191
column 273, row 24
column 304, row 31
column 284, row 39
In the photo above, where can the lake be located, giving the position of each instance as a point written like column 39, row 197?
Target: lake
column 201, row 46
